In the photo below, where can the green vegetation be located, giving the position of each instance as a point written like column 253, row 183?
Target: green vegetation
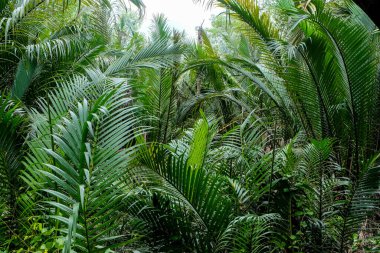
column 261, row 136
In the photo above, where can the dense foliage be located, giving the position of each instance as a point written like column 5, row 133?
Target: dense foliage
column 260, row 136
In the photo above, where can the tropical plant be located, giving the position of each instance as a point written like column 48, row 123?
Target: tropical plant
column 261, row 138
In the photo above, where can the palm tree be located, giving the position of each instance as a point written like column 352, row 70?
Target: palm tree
column 319, row 93
column 42, row 42
column 112, row 141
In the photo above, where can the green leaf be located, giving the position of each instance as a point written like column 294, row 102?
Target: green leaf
column 25, row 74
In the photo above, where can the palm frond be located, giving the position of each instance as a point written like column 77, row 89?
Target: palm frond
column 249, row 233
column 27, row 71
column 11, row 154
column 85, row 165
column 194, row 191
column 158, row 54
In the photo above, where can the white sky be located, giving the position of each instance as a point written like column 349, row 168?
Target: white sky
column 181, row 14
